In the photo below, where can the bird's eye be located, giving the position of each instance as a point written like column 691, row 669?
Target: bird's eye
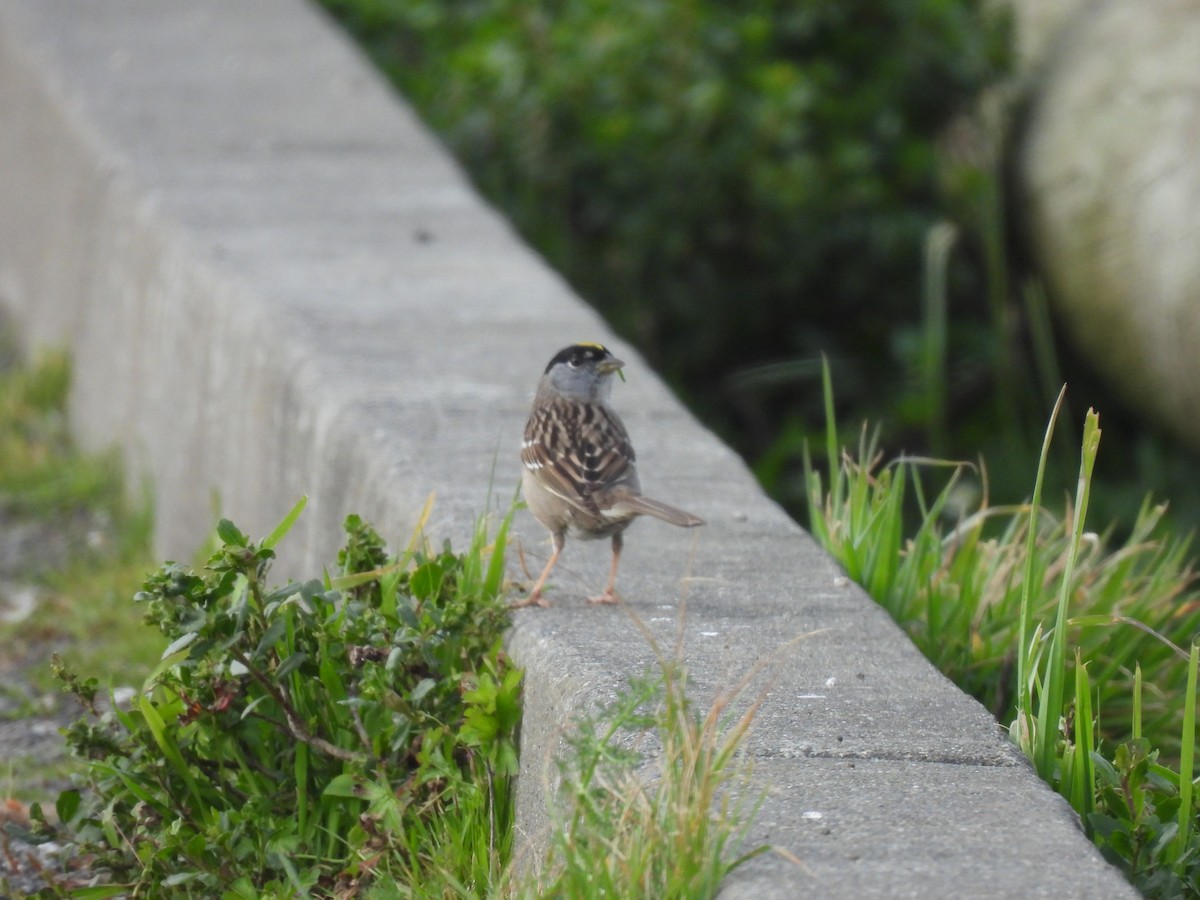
column 574, row 362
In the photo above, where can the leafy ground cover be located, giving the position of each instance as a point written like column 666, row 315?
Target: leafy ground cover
column 293, row 740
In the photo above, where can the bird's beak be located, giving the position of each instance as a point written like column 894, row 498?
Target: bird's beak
column 608, row 366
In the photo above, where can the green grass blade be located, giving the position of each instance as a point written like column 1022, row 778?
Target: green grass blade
column 1083, row 784
column 494, row 578
column 832, row 455
column 170, row 750
column 1050, row 703
column 1026, row 651
column 285, row 526
column 1187, row 755
column 300, row 767
column 1137, row 702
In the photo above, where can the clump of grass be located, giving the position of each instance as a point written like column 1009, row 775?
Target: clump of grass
column 964, row 584
column 1140, row 813
column 1077, row 643
column 675, row 831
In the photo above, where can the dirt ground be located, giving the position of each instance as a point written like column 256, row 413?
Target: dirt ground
column 32, row 747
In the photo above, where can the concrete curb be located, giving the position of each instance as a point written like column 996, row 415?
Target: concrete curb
column 274, row 282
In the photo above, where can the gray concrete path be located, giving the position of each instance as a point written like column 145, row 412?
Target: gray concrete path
column 274, row 282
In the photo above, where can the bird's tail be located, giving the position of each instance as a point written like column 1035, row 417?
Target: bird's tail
column 646, row 507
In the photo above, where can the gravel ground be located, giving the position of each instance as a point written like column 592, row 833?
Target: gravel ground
column 30, row 718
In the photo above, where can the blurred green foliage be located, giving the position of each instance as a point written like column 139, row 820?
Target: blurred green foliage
column 744, row 188
column 738, row 187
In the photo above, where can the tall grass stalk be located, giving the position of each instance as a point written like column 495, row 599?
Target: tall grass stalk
column 1187, row 755
column 1050, row 703
column 1026, row 663
column 1078, row 777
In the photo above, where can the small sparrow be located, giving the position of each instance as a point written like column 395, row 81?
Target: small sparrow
column 580, row 471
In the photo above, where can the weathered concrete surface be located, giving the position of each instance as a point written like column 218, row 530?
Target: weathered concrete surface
column 274, row 282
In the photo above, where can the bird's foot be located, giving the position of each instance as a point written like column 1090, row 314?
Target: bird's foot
column 608, row 597
column 534, row 599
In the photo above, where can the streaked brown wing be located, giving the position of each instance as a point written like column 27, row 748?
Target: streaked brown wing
column 577, row 450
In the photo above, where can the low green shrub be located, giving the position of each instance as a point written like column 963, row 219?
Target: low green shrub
column 294, row 739
column 1135, row 822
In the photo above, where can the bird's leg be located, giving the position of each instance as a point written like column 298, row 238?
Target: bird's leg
column 610, row 592
column 535, row 596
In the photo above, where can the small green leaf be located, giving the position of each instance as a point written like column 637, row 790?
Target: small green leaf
column 250, row 707
column 394, row 661
column 291, row 664
column 100, row 892
column 229, row 534
column 1105, row 826
column 271, row 636
column 1165, row 838
column 426, row 580
column 345, row 785
column 180, row 643
column 179, row 878
column 424, row 686
column 242, row 889
column 1105, row 770
column 67, row 805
